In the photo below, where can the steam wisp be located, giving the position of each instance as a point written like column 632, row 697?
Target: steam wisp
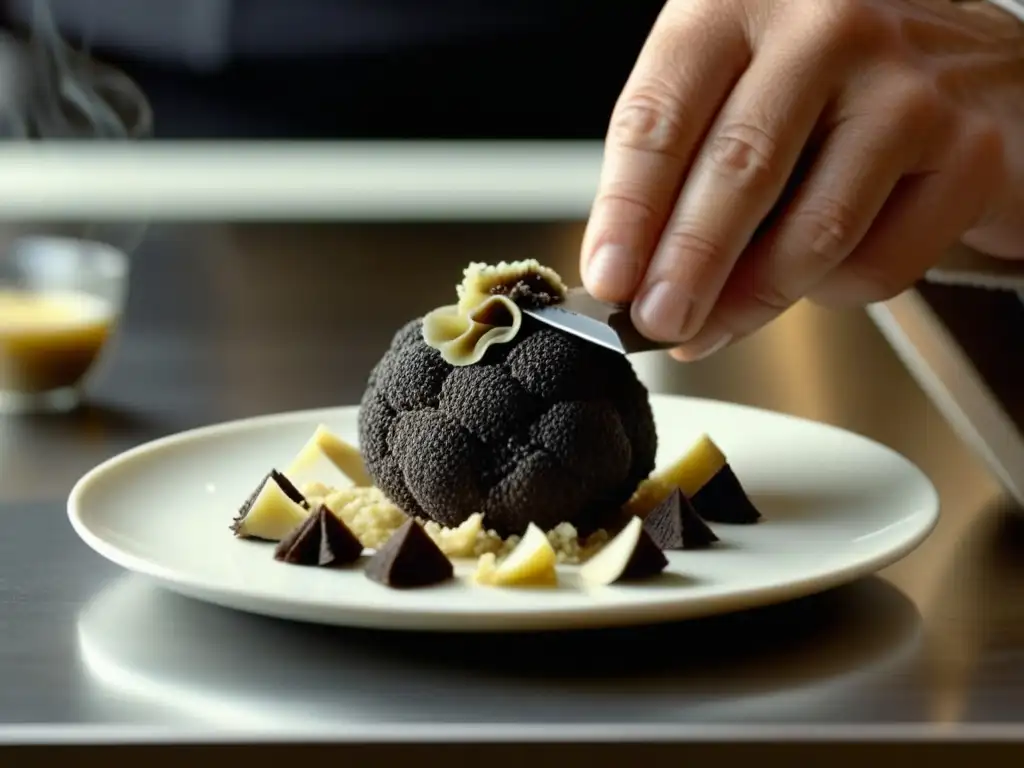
column 48, row 90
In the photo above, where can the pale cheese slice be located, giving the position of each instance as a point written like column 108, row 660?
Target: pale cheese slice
column 327, row 459
column 272, row 515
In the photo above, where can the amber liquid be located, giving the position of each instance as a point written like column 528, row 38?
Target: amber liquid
column 49, row 340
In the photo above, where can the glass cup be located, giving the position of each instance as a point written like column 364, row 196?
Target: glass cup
column 60, row 303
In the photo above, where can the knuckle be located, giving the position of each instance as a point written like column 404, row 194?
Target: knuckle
column 744, row 152
column 702, row 253
column 629, row 205
column 649, row 119
column 816, row 240
column 917, row 103
column 825, row 230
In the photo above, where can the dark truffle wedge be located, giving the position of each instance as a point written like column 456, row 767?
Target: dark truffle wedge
column 302, row 545
column 722, row 499
column 321, row 540
column 338, row 545
column 674, row 524
column 409, row 559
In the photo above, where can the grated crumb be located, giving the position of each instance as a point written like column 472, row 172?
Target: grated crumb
column 373, row 518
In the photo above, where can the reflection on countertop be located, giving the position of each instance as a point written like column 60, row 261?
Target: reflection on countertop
column 975, row 656
column 827, row 658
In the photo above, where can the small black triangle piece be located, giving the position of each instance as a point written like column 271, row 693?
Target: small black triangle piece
column 696, row 533
column 646, row 561
column 722, row 499
column 338, row 545
column 409, row 559
column 321, row 539
column 664, row 523
column 302, row 545
column 674, row 524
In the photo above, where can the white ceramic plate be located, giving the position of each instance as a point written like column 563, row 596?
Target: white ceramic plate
column 836, row 507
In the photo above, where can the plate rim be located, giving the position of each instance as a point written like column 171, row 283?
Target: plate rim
column 514, row 618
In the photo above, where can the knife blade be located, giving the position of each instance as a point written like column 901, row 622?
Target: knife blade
column 602, row 323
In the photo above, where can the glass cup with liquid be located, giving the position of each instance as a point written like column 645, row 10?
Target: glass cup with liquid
column 60, row 301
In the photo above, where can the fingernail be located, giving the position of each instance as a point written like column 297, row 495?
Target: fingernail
column 611, row 270
column 662, row 312
column 704, row 347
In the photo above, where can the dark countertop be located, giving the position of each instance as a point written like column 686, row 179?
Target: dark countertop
column 226, row 322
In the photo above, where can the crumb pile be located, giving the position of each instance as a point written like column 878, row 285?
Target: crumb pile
column 374, row 519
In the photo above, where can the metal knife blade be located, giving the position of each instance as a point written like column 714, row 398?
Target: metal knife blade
column 608, row 325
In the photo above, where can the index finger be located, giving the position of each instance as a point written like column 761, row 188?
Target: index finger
column 687, row 67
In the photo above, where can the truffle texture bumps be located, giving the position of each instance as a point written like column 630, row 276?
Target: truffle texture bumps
column 546, row 429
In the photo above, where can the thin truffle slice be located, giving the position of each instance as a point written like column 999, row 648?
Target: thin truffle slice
column 322, row 540
column 631, row 556
column 409, row 559
column 674, row 524
column 722, row 499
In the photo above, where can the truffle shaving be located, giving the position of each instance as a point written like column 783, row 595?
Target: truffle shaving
column 489, row 308
column 463, row 339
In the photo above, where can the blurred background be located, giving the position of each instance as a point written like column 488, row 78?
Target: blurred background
column 255, row 287
column 305, row 69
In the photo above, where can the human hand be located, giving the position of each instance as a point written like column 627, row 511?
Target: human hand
column 763, row 151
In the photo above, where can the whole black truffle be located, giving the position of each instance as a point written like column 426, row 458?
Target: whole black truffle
column 547, row 428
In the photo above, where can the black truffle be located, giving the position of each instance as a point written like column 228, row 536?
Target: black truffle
column 409, row 559
column 722, row 499
column 547, row 429
column 674, row 524
column 321, row 539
